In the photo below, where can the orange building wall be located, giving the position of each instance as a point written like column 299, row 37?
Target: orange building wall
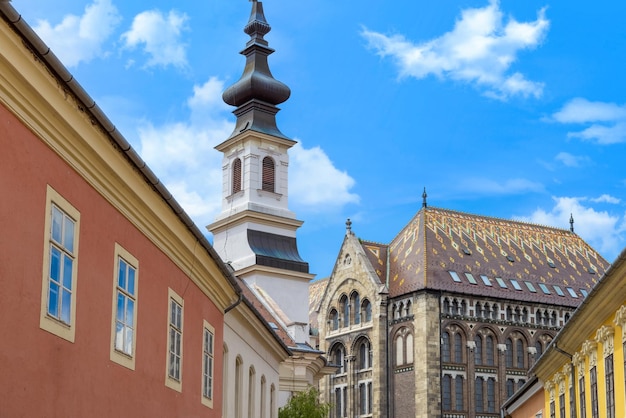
column 531, row 407
column 42, row 375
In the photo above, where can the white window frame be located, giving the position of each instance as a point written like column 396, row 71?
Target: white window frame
column 174, row 382
column 208, row 364
column 117, row 355
column 48, row 322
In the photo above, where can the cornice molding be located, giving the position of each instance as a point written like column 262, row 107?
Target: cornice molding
column 604, row 336
column 620, row 320
column 590, row 349
column 578, row 359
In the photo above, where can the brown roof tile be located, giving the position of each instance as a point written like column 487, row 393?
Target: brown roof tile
column 437, row 241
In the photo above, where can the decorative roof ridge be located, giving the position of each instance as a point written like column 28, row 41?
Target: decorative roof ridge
column 495, row 218
column 366, row 241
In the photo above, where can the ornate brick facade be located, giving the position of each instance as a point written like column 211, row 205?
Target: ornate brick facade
column 461, row 307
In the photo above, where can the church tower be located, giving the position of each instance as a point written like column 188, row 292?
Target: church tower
column 256, row 232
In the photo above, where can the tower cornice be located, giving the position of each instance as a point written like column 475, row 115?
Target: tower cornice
column 255, row 135
column 254, row 217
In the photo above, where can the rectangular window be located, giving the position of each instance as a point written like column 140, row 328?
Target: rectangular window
column 123, row 323
column 58, row 298
column 610, row 386
column 583, row 398
column 584, row 292
column 544, row 289
column 174, row 342
column 501, row 282
column 478, row 395
column 562, row 405
column 470, row 278
column 516, row 284
column 552, row 410
column 208, row 344
column 485, row 280
column 572, row 292
column 593, row 381
column 531, row 287
column 362, row 399
column 446, row 390
column 491, row 395
column 458, row 393
column 455, row 276
column 558, row 290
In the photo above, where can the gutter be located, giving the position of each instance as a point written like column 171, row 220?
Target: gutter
column 38, row 46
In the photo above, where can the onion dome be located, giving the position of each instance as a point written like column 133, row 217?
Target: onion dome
column 257, row 92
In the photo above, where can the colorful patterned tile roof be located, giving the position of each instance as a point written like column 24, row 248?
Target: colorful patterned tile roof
column 452, row 251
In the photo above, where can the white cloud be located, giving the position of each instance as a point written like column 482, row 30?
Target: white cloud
column 507, row 187
column 479, row 50
column 159, row 34
column 606, row 198
column 316, row 183
column 603, row 231
column 570, row 160
column 606, row 121
column 80, row 38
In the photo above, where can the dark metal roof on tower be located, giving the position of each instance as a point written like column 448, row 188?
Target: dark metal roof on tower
column 571, row 222
column 257, row 92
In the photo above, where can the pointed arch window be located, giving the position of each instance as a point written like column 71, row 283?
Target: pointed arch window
column 345, row 307
column 333, row 318
column 355, row 301
column 489, row 350
column 364, row 360
column 508, row 357
column 366, row 310
column 478, row 351
column 236, row 176
column 269, row 175
column 519, row 354
column 458, row 348
column 445, row 347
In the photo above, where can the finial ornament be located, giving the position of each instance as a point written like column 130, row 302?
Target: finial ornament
column 424, row 196
column 571, row 222
column 348, row 226
column 257, row 92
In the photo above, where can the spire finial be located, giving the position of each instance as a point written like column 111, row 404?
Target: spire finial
column 348, row 227
column 257, row 92
column 424, row 196
column 571, row 222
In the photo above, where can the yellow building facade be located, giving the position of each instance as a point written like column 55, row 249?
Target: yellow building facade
column 584, row 369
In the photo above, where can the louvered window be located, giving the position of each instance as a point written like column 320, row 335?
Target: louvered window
column 236, row 176
column 269, row 176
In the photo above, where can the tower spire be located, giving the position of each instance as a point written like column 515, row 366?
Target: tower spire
column 257, row 92
column 571, row 222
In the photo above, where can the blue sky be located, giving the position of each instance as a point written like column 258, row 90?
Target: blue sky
column 508, row 109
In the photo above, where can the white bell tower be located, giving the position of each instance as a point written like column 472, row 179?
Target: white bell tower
column 255, row 231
